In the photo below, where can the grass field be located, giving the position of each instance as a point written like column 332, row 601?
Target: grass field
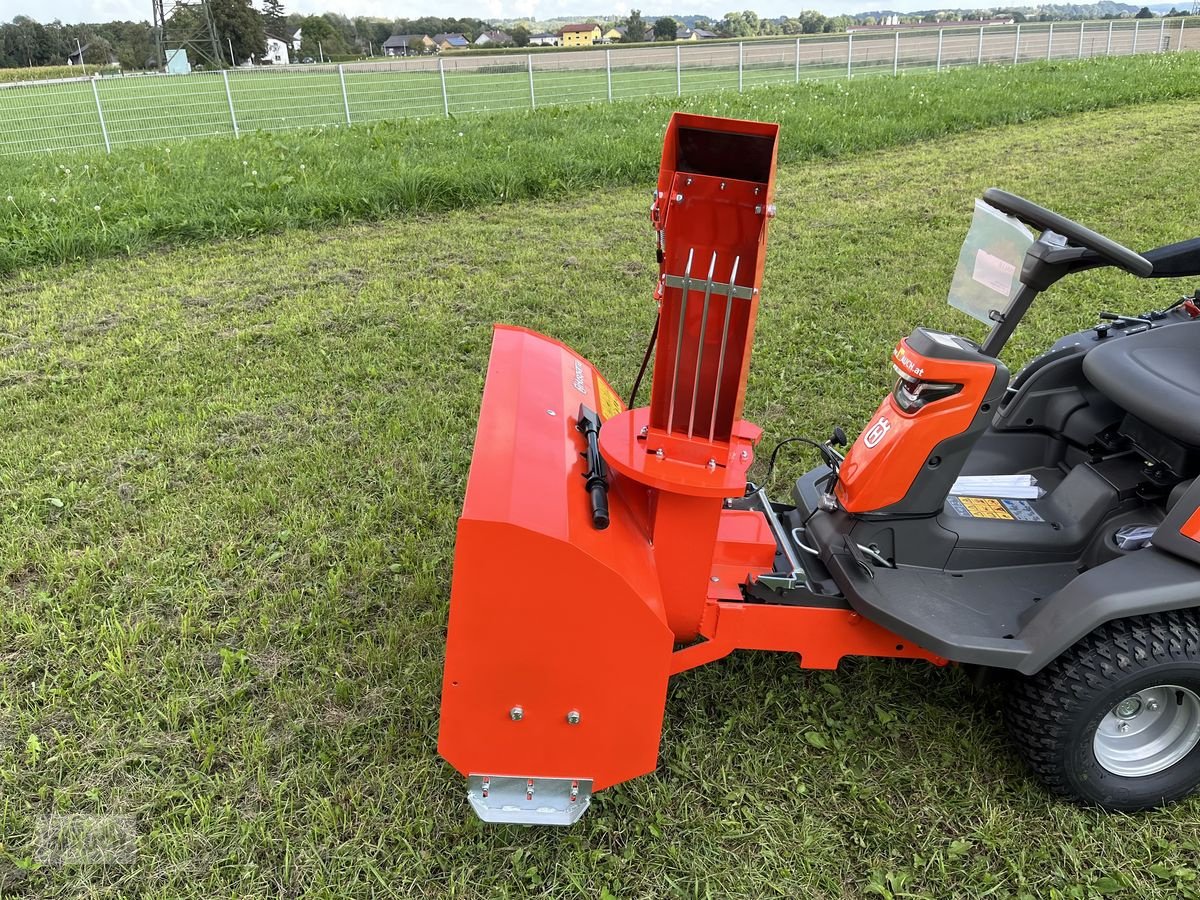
column 63, row 117
column 74, row 206
column 229, row 475
column 120, row 112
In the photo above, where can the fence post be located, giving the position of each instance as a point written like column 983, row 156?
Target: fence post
column 941, row 31
column 1136, row 24
column 1050, row 41
column 229, row 97
column 1180, row 47
column 740, row 66
column 608, row 72
column 100, row 114
column 1081, row 24
column 979, row 59
column 849, row 53
column 678, row 74
column 532, row 98
column 1162, row 33
column 896, row 56
column 1108, row 46
column 345, row 96
column 445, row 96
column 798, row 58
column 1017, row 46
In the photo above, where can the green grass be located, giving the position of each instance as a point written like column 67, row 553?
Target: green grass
column 62, row 118
column 229, row 476
column 77, row 206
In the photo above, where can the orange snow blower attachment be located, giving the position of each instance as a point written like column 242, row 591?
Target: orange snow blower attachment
column 597, row 554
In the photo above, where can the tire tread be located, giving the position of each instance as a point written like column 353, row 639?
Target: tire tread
column 1039, row 709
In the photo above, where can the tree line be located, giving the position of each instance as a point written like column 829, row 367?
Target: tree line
column 26, row 42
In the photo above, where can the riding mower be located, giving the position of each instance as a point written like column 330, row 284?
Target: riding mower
column 1045, row 526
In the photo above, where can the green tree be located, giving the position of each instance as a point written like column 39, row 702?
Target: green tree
column 735, row 25
column 635, row 28
column 239, row 23
column 1143, row 13
column 348, row 39
column 520, row 36
column 25, row 42
column 666, row 29
column 319, row 39
column 812, row 22
column 743, row 24
column 275, row 19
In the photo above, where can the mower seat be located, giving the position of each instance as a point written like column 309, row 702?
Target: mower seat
column 1155, row 375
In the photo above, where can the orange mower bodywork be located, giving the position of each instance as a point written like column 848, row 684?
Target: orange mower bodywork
column 566, row 618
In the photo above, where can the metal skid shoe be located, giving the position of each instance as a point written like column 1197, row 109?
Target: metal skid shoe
column 591, row 567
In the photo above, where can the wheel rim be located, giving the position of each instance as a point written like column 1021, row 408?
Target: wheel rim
column 1149, row 731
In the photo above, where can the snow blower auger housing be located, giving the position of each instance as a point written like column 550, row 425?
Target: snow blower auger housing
column 1036, row 526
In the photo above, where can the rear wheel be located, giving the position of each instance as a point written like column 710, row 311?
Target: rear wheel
column 1115, row 720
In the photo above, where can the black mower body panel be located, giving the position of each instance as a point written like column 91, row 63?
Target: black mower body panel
column 1017, row 617
column 1014, row 593
column 1146, row 581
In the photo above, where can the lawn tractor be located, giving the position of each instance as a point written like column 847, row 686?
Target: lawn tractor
column 1045, row 526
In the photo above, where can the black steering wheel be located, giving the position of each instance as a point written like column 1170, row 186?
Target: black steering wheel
column 1045, row 220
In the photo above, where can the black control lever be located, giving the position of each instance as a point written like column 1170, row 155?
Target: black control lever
column 596, row 476
column 1128, row 320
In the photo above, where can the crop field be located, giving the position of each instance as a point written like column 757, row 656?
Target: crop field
column 229, row 476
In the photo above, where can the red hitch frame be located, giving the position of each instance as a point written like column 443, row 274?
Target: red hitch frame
column 562, row 635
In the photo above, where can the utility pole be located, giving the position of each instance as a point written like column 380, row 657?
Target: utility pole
column 186, row 25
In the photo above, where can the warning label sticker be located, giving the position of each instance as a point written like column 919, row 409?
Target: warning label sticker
column 609, row 404
column 991, row 508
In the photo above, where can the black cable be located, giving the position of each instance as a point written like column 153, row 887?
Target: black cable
column 780, row 446
column 645, row 362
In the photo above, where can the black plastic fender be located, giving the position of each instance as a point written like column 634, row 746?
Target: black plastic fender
column 1145, row 581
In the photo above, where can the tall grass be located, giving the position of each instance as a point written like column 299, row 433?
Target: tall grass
column 80, row 206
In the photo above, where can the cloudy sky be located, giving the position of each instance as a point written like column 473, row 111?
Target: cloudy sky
column 107, row 10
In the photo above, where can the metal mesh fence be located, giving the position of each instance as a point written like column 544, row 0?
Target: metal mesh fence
column 117, row 111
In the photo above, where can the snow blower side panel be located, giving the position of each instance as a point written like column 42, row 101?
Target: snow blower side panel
column 557, row 653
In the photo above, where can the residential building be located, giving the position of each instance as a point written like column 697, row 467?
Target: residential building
column 407, row 45
column 495, row 38
column 621, row 31
column 545, row 39
column 580, row 35
column 612, row 36
column 451, row 41
column 277, row 51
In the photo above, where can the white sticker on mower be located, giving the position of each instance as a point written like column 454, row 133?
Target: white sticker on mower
column 993, row 272
column 578, row 382
column 876, row 432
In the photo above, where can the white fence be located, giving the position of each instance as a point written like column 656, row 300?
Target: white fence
column 112, row 112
